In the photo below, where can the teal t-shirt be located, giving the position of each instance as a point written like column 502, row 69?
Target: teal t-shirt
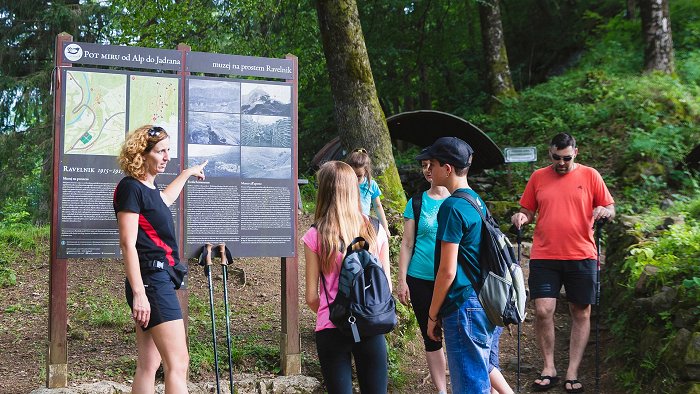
column 422, row 264
column 460, row 223
column 368, row 192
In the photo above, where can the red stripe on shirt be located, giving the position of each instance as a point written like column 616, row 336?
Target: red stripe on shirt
column 153, row 235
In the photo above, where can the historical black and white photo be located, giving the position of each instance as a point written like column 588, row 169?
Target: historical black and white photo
column 224, row 160
column 214, row 96
column 258, row 130
column 266, row 99
column 268, row 163
column 211, row 128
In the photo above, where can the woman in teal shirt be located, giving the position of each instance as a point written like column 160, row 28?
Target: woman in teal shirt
column 417, row 270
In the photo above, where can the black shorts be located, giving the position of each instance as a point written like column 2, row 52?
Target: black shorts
column 160, row 291
column 421, row 295
column 577, row 276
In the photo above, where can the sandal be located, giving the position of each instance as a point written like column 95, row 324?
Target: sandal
column 572, row 382
column 538, row 387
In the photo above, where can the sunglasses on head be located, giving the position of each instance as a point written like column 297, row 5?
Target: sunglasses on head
column 556, row 157
column 360, row 150
column 155, row 131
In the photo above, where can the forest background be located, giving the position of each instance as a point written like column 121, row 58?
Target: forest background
column 609, row 72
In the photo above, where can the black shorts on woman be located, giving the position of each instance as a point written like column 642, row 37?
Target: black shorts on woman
column 160, row 291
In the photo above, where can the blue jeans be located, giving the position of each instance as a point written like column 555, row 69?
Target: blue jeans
column 467, row 333
column 493, row 354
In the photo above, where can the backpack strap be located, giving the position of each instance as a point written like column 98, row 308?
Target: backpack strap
column 471, row 200
column 416, row 203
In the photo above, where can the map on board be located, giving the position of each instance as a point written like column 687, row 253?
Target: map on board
column 154, row 100
column 95, row 114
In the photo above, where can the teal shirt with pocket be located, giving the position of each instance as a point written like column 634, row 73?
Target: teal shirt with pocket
column 460, row 223
column 422, row 264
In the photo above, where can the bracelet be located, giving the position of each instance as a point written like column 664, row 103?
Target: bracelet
column 432, row 320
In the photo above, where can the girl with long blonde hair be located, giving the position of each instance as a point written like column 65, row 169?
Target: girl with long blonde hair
column 337, row 221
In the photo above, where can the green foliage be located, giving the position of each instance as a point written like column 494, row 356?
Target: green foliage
column 397, row 341
column 308, row 195
column 674, row 251
column 15, row 241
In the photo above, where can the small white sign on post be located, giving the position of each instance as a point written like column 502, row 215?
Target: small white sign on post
column 526, row 154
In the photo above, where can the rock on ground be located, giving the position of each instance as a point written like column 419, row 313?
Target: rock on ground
column 244, row 384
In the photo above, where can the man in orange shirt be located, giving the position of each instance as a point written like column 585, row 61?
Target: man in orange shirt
column 568, row 198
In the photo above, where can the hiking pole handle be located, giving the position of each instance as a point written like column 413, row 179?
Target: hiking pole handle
column 222, row 251
column 208, row 257
column 599, row 223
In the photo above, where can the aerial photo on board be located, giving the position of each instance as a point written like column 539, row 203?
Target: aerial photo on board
column 224, row 160
column 214, row 96
column 266, row 99
column 259, row 130
column 268, row 163
column 213, row 128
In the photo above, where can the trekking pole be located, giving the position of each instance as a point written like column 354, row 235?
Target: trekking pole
column 519, row 239
column 598, row 225
column 224, row 264
column 207, row 272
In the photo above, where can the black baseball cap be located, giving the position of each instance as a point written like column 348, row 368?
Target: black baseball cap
column 450, row 150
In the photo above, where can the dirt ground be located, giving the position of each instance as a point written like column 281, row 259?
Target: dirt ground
column 105, row 353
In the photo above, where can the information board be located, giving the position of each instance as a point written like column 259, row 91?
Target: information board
column 246, row 129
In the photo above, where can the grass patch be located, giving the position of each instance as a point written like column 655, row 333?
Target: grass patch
column 102, row 311
column 15, row 242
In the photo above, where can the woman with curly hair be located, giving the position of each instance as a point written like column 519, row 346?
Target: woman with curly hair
column 148, row 244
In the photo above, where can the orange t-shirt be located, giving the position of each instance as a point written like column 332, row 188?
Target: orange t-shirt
column 564, row 206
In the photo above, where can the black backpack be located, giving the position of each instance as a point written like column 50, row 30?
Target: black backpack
column 500, row 285
column 364, row 305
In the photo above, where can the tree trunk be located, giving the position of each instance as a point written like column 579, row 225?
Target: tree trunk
column 495, row 54
column 656, row 29
column 424, row 92
column 629, row 12
column 359, row 116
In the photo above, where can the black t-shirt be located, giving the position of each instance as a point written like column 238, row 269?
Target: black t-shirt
column 156, row 235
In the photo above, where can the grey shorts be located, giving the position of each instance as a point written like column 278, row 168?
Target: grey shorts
column 577, row 276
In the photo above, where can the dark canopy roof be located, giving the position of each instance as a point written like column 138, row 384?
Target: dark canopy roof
column 422, row 128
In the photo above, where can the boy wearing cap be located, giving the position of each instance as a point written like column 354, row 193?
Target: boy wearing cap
column 455, row 308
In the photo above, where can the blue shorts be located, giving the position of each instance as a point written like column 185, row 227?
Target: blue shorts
column 467, row 332
column 493, row 355
column 160, row 291
column 578, row 277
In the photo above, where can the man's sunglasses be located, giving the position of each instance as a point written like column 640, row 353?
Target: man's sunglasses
column 155, row 131
column 565, row 158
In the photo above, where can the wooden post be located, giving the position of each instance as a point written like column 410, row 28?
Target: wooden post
column 183, row 293
column 290, row 342
column 57, row 357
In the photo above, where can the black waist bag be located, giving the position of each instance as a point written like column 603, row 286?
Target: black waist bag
column 364, row 305
column 177, row 272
